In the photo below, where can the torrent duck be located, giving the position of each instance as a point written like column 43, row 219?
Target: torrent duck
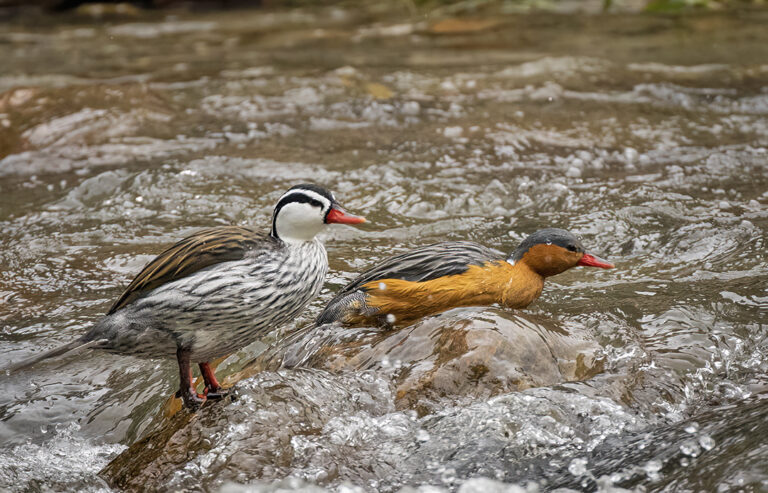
column 437, row 277
column 219, row 290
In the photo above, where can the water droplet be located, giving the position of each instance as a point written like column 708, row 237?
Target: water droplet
column 573, row 172
column 382, row 286
column 706, row 442
column 693, row 427
column 691, row 448
column 391, row 318
column 652, row 468
column 578, row 467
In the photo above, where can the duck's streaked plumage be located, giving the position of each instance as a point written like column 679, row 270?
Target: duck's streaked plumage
column 220, row 289
column 251, row 284
column 198, row 251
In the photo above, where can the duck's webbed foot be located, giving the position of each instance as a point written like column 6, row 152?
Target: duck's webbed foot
column 212, row 390
column 192, row 400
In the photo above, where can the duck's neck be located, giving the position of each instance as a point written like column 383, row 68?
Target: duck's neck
column 522, row 285
column 514, row 285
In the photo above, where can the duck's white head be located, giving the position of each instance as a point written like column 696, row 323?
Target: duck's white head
column 304, row 210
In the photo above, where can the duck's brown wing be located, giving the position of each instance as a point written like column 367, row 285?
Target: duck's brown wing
column 417, row 265
column 198, row 251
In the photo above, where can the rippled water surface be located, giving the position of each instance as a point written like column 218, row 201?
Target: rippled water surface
column 647, row 136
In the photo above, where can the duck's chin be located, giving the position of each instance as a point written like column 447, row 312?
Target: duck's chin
column 299, row 234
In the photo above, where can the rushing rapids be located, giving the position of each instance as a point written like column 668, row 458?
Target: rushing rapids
column 648, row 136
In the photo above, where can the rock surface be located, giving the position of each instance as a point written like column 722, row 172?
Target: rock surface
column 460, row 356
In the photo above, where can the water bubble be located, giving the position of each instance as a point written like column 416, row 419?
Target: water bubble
column 706, row 442
column 447, row 475
column 573, row 172
column 411, row 108
column 422, row 435
column 447, row 86
column 652, row 468
column 453, row 132
column 578, row 467
column 346, row 488
column 690, row 448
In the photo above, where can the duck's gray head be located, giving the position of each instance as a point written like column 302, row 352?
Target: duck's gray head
column 551, row 251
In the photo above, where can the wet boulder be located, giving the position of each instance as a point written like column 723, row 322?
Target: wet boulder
column 252, row 433
column 300, row 387
column 462, row 354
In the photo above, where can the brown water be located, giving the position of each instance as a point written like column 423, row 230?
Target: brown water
column 647, row 136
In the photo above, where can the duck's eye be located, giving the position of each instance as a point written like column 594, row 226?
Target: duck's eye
column 572, row 248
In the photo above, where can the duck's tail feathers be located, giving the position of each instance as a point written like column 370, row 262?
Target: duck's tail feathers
column 76, row 345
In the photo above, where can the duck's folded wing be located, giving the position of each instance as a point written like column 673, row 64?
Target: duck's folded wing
column 198, row 251
column 427, row 262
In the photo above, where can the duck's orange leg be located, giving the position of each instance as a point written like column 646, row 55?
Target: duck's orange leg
column 212, row 388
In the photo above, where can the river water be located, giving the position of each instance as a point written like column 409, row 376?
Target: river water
column 647, row 136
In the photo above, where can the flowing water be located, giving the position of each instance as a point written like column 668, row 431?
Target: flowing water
column 647, row 136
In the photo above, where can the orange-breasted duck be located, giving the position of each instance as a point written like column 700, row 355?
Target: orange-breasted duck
column 438, row 277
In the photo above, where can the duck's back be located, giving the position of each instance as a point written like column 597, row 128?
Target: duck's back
column 419, row 265
column 212, row 294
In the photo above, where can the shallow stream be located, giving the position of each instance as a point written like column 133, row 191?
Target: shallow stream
column 647, row 136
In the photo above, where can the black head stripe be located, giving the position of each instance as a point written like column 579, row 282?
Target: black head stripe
column 548, row 236
column 313, row 188
column 299, row 198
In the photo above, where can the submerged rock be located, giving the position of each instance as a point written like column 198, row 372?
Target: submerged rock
column 352, row 385
column 247, row 435
column 462, row 353
column 334, row 429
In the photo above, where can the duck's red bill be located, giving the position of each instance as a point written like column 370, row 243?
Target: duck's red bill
column 340, row 216
column 589, row 260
